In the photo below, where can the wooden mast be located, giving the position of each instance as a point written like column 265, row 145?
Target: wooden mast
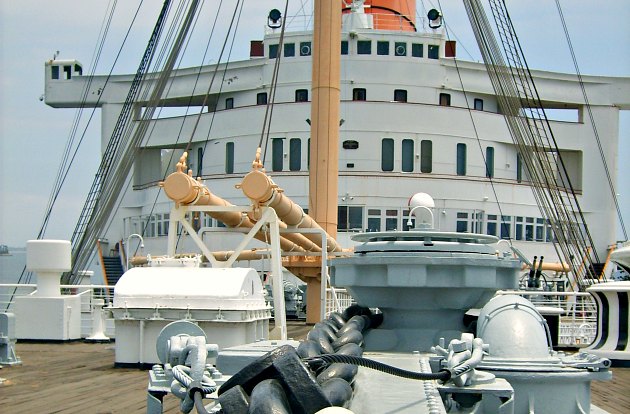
column 324, row 156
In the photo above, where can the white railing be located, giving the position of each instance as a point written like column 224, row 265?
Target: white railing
column 578, row 321
column 88, row 293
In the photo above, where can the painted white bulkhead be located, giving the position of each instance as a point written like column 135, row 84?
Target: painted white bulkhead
column 375, row 193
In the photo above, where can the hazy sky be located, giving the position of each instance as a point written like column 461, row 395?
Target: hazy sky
column 33, row 135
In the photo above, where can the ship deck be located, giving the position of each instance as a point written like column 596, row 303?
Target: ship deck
column 77, row 377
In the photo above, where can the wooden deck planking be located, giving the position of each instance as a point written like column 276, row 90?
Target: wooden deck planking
column 78, row 377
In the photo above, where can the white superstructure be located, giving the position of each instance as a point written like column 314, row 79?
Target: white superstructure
column 406, row 127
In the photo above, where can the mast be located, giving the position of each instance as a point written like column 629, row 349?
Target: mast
column 324, row 156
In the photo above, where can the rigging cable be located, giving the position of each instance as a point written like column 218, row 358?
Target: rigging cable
column 517, row 96
column 483, row 155
column 590, row 115
column 274, row 86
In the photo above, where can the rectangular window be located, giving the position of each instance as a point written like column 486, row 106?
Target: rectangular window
column 301, row 95
column 199, row 162
column 549, row 232
column 277, row 154
column 261, row 98
column 400, row 95
column 391, row 220
column 229, row 158
column 374, row 220
column 529, row 229
column 382, row 48
column 67, row 72
column 407, row 155
column 344, row 47
column 229, row 103
column 518, row 234
column 295, row 154
column 445, row 99
column 400, row 49
column 364, row 47
column 540, row 229
column 387, row 154
column 506, row 227
column 478, row 104
column 55, row 72
column 426, row 156
column 490, row 162
column 461, row 159
column 359, row 94
column 289, row 49
column 462, row 222
column 305, row 48
column 433, row 52
column 273, row 51
column 491, row 225
column 417, row 50
column 519, row 167
column 350, row 218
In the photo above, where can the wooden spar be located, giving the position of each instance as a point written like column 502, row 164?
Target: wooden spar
column 324, row 158
column 183, row 189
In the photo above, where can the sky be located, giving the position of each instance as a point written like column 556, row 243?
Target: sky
column 33, row 135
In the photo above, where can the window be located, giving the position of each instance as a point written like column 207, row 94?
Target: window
column 229, row 158
column 344, row 47
column 407, row 155
column 199, row 162
column 506, row 227
column 295, row 154
column 374, row 219
column 400, row 95
column 67, row 72
column 417, row 50
column 426, row 156
column 364, row 47
column 461, row 159
column 350, row 218
column 433, row 52
column 359, row 94
column 55, row 71
column 387, row 154
column 540, row 229
column 445, row 99
column 301, row 95
column 549, row 233
column 382, row 48
column 308, row 154
column 78, row 69
column 277, row 152
column 491, row 225
column 289, row 49
column 162, row 224
column 519, row 167
column 350, row 144
column 462, row 222
column 229, row 103
column 391, row 220
column 400, row 49
column 305, row 48
column 273, row 51
column 261, row 98
column 478, row 104
column 529, row 228
column 518, row 234
column 490, row 162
